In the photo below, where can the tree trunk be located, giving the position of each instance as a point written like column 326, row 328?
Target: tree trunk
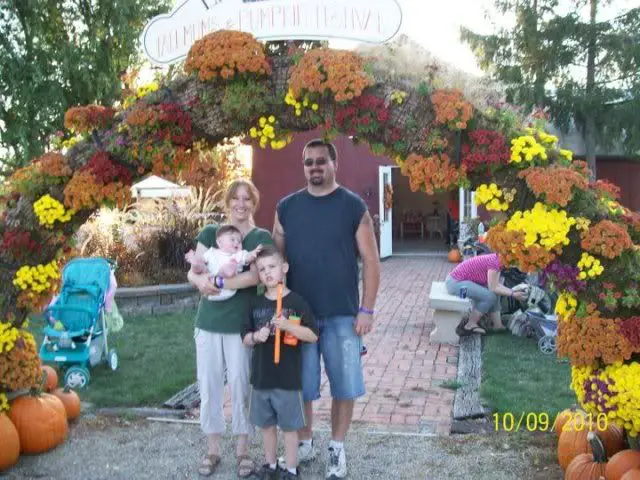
column 590, row 121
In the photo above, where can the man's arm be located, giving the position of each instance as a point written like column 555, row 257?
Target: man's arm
column 278, row 234
column 368, row 250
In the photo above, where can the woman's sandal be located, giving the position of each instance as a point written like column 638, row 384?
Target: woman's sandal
column 463, row 331
column 208, row 464
column 246, row 466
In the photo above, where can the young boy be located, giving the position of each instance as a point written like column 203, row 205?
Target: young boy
column 276, row 393
column 225, row 261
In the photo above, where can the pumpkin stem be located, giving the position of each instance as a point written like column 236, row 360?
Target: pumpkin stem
column 599, row 454
column 43, row 382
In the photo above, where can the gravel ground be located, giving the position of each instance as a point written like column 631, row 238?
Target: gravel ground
column 114, row 448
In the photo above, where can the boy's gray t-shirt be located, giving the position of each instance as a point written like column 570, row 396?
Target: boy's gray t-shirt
column 320, row 242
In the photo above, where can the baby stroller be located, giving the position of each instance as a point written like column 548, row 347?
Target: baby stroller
column 545, row 328
column 76, row 334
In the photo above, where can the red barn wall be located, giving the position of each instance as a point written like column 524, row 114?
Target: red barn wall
column 626, row 175
column 278, row 173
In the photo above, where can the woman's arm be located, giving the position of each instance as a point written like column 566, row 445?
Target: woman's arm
column 243, row 280
column 493, row 281
column 201, row 280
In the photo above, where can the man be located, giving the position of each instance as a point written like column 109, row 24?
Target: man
column 323, row 229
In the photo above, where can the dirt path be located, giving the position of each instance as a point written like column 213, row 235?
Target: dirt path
column 107, row 448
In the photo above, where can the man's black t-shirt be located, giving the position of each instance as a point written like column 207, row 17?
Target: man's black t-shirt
column 265, row 374
column 321, row 248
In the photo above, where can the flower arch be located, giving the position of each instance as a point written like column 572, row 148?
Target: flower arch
column 555, row 219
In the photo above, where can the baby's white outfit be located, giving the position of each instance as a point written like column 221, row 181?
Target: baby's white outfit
column 215, row 258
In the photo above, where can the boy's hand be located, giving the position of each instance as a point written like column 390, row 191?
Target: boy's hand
column 261, row 335
column 282, row 323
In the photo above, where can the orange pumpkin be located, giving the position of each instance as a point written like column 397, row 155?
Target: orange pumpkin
column 454, row 256
column 622, row 462
column 9, row 443
column 633, row 474
column 41, row 422
column 565, row 416
column 70, row 400
column 573, row 439
column 51, row 380
column 588, row 466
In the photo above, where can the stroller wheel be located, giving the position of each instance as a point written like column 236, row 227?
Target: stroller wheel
column 77, row 377
column 547, row 344
column 112, row 360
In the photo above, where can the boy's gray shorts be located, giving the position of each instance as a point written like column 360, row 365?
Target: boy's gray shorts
column 284, row 408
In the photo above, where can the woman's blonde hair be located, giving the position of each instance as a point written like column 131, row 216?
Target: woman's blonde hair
column 236, row 185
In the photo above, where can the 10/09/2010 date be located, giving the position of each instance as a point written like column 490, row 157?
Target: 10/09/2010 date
column 543, row 422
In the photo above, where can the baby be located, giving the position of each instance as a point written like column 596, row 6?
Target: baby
column 225, row 261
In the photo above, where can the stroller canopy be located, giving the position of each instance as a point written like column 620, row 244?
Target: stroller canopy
column 85, row 282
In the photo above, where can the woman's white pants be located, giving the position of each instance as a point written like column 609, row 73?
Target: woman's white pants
column 213, row 352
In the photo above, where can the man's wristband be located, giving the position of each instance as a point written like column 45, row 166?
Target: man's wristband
column 365, row 310
column 218, row 282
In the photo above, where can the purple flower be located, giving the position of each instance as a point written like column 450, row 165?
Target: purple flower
column 120, row 141
column 563, row 277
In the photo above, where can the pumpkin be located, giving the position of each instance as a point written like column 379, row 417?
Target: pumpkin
column 633, row 474
column 622, row 462
column 70, row 400
column 9, row 443
column 573, row 439
column 454, row 256
column 51, row 380
column 565, row 416
column 41, row 422
column 588, row 466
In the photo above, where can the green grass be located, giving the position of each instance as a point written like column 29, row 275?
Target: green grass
column 156, row 360
column 518, row 378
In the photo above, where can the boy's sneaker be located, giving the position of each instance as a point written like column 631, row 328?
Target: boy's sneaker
column 266, row 473
column 306, row 453
column 287, row 475
column 336, row 463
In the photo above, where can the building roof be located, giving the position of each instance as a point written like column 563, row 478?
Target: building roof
column 158, row 187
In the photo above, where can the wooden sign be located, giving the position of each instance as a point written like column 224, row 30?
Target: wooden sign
column 167, row 39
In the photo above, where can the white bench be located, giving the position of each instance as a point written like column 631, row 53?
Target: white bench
column 448, row 312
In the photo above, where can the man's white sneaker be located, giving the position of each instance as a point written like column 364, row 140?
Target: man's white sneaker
column 306, row 453
column 336, row 463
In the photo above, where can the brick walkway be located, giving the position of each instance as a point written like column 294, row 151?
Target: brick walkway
column 403, row 370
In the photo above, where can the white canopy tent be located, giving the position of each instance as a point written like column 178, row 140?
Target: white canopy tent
column 157, row 187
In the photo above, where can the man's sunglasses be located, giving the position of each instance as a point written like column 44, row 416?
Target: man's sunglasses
column 308, row 162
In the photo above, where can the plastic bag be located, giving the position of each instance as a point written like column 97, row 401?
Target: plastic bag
column 114, row 320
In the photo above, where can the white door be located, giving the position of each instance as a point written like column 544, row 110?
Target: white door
column 468, row 210
column 386, row 230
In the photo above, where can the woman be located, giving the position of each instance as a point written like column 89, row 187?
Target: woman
column 217, row 333
column 480, row 277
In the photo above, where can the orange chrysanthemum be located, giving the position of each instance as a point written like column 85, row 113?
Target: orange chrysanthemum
column 451, row 108
column 225, row 53
column 509, row 244
column 607, row 239
column 557, row 184
column 86, row 118
column 433, row 173
column 339, row 71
